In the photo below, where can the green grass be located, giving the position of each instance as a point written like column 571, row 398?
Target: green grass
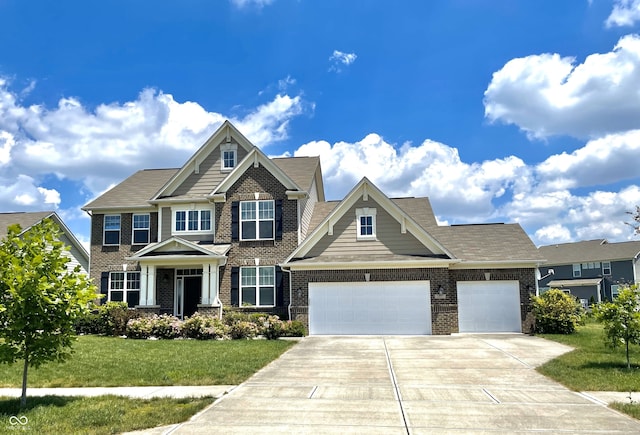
column 631, row 409
column 593, row 366
column 110, row 362
column 93, row 415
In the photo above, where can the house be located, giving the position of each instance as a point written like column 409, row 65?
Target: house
column 590, row 270
column 77, row 254
column 235, row 228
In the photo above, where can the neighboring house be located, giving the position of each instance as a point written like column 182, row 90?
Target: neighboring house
column 235, row 228
column 591, row 270
column 78, row 255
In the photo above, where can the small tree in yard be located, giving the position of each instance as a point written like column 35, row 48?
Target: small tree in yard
column 40, row 299
column 556, row 312
column 621, row 319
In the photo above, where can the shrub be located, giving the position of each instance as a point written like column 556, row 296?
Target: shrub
column 243, row 329
column 114, row 317
column 166, row 326
column 557, row 312
column 272, row 327
column 140, row 327
column 294, row 328
column 89, row 323
column 203, row 327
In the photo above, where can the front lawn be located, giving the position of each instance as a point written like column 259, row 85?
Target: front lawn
column 593, row 366
column 111, row 362
column 93, row 415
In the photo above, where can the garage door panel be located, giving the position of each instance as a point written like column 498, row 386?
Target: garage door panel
column 371, row 308
column 489, row 306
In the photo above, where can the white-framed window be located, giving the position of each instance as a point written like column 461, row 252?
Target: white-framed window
column 111, row 229
column 192, row 221
column 228, row 156
column 258, row 286
column 257, row 220
column 366, row 223
column 577, row 272
column 124, row 287
column 615, row 289
column 141, row 229
column 606, row 268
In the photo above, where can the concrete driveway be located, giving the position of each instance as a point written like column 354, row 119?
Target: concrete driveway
column 415, row 385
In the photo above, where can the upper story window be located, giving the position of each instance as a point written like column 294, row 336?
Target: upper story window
column 111, row 229
column 606, row 268
column 577, row 272
column 192, row 221
column 366, row 223
column 228, row 156
column 257, row 220
column 141, row 229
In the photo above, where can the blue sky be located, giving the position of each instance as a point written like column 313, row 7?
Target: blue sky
column 499, row 111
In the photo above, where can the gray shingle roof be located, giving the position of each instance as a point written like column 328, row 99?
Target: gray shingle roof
column 25, row 219
column 135, row 191
column 488, row 242
column 300, row 169
column 589, row 251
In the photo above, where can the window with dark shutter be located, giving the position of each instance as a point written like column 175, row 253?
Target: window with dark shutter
column 279, row 287
column 235, row 286
column 279, row 219
column 235, row 221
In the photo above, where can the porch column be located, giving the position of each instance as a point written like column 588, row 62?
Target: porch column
column 206, row 284
column 151, row 285
column 144, row 270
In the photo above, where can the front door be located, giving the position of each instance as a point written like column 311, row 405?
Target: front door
column 188, row 292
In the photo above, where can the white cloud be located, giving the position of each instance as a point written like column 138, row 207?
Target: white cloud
column 547, row 94
column 103, row 146
column 554, row 233
column 23, row 194
column 624, row 13
column 339, row 59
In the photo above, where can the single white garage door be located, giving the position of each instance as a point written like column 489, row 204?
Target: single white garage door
column 489, row 306
column 370, row 308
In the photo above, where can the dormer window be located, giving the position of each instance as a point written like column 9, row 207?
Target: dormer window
column 366, row 223
column 228, row 156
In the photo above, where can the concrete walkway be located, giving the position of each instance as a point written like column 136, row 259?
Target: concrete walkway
column 177, row 392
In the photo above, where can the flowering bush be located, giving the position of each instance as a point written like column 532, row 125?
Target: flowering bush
column 203, row 327
column 166, row 326
column 243, row 329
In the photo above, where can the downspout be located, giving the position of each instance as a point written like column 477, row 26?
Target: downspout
column 290, row 291
column 218, row 301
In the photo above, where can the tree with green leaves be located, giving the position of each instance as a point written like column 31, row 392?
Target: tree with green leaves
column 556, row 312
column 40, row 298
column 636, row 218
column 621, row 319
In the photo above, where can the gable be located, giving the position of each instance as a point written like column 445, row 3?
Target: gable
column 389, row 236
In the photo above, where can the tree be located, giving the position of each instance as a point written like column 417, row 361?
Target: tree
column 40, row 299
column 621, row 319
column 556, row 312
column 636, row 218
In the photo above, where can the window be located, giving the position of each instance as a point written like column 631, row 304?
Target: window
column 141, row 229
column 192, row 221
column 257, row 220
column 577, row 272
column 111, row 229
column 614, row 291
column 228, row 153
column 257, row 286
column 606, row 268
column 124, row 287
column 366, row 223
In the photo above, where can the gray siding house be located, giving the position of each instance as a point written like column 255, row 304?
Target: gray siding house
column 77, row 254
column 590, row 270
column 235, row 228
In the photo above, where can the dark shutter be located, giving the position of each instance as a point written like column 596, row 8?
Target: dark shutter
column 235, row 220
column 235, row 286
column 279, row 287
column 278, row 219
column 104, row 285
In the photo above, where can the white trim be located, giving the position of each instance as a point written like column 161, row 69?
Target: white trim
column 226, row 147
column 124, row 289
column 366, row 212
column 257, row 285
column 199, row 208
column 257, row 219
column 133, row 229
column 368, row 264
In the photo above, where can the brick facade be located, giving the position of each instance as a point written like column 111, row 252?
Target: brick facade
column 444, row 307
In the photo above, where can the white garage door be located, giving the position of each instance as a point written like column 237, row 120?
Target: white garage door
column 370, row 308
column 489, row 306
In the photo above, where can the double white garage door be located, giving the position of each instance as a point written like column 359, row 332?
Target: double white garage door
column 404, row 307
